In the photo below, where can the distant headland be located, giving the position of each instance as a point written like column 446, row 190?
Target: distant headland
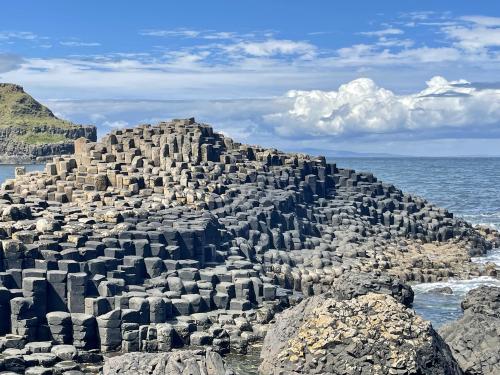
column 30, row 131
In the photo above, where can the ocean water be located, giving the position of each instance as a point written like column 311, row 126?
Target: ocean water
column 468, row 187
column 7, row 170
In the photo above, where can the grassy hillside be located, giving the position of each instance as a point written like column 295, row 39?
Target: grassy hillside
column 41, row 138
column 18, row 109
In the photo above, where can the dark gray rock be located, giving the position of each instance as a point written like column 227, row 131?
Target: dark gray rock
column 350, row 285
column 474, row 339
column 442, row 290
column 483, row 300
column 173, row 363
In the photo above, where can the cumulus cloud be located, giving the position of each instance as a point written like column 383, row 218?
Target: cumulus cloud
column 358, row 110
column 362, row 107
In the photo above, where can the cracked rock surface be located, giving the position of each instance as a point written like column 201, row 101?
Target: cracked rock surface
column 368, row 334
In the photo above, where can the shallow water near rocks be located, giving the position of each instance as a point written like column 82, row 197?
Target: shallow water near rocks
column 245, row 363
column 7, row 170
column 442, row 308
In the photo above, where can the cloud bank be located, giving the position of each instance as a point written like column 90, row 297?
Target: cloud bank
column 290, row 91
column 362, row 107
column 359, row 110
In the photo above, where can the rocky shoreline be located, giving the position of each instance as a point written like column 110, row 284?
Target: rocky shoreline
column 15, row 152
column 172, row 237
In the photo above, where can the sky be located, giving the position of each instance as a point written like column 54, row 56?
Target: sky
column 418, row 78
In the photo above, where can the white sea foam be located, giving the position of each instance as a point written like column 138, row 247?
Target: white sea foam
column 493, row 256
column 442, row 308
column 459, row 287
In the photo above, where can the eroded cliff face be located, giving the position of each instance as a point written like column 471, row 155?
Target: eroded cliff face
column 14, row 148
column 29, row 130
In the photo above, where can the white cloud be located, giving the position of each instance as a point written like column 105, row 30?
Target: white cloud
column 372, row 55
column 384, row 32
column 225, row 64
column 474, row 37
column 24, row 35
column 176, row 33
column 358, row 111
column 482, row 20
column 201, row 34
column 9, row 62
column 362, row 107
column 74, row 43
column 473, row 34
column 273, row 47
column 119, row 124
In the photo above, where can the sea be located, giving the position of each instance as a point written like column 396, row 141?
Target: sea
column 7, row 170
column 468, row 187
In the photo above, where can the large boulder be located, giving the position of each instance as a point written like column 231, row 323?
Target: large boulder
column 354, row 284
column 369, row 334
column 483, row 300
column 171, row 363
column 16, row 212
column 474, row 339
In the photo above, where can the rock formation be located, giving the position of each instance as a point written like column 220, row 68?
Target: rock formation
column 173, row 363
column 350, row 285
column 168, row 236
column 368, row 334
column 474, row 339
column 29, row 130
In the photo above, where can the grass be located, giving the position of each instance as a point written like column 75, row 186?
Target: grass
column 17, row 108
column 41, row 138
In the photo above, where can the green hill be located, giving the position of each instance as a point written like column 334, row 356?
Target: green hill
column 19, row 108
column 29, row 129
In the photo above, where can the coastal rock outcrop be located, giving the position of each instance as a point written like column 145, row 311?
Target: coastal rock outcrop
column 173, row 236
column 368, row 334
column 474, row 339
column 29, row 130
column 173, row 363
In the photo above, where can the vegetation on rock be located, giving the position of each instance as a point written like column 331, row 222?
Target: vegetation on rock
column 29, row 130
column 41, row 138
column 19, row 109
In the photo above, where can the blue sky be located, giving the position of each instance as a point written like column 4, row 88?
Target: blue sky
column 404, row 77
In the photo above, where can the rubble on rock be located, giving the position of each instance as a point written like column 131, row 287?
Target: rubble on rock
column 368, row 334
column 165, row 236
